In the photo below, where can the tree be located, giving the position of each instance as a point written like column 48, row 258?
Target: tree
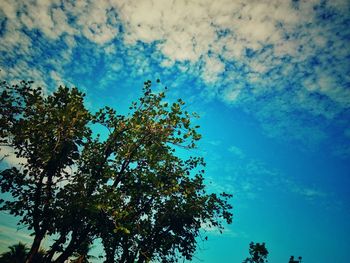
column 83, row 256
column 128, row 188
column 47, row 133
column 258, row 253
column 17, row 254
column 292, row 260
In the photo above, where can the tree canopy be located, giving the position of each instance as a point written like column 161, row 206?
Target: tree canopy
column 129, row 188
column 16, row 254
column 258, row 253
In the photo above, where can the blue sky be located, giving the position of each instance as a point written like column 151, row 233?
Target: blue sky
column 270, row 80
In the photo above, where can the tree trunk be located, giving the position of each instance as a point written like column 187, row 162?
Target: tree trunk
column 110, row 253
column 55, row 247
column 35, row 247
column 126, row 257
column 66, row 253
column 142, row 258
column 76, row 241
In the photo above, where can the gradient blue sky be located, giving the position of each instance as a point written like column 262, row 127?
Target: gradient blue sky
column 270, row 80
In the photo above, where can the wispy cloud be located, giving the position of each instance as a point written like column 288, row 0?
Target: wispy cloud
column 236, row 151
column 228, row 232
column 7, row 155
column 250, row 178
column 309, row 193
column 10, row 236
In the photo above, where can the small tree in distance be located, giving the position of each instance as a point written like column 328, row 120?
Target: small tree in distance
column 292, row 260
column 258, row 253
column 130, row 190
column 17, row 254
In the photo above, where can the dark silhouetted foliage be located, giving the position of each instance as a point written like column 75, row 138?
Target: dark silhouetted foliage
column 16, row 254
column 258, row 253
column 292, row 260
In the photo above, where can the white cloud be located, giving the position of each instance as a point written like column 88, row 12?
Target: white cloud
column 347, row 132
column 189, row 30
column 11, row 235
column 244, row 51
column 7, row 155
column 231, row 94
column 213, row 67
column 46, row 16
column 248, row 178
column 59, row 80
column 236, row 151
column 310, row 193
column 218, row 142
column 95, row 21
column 214, row 231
